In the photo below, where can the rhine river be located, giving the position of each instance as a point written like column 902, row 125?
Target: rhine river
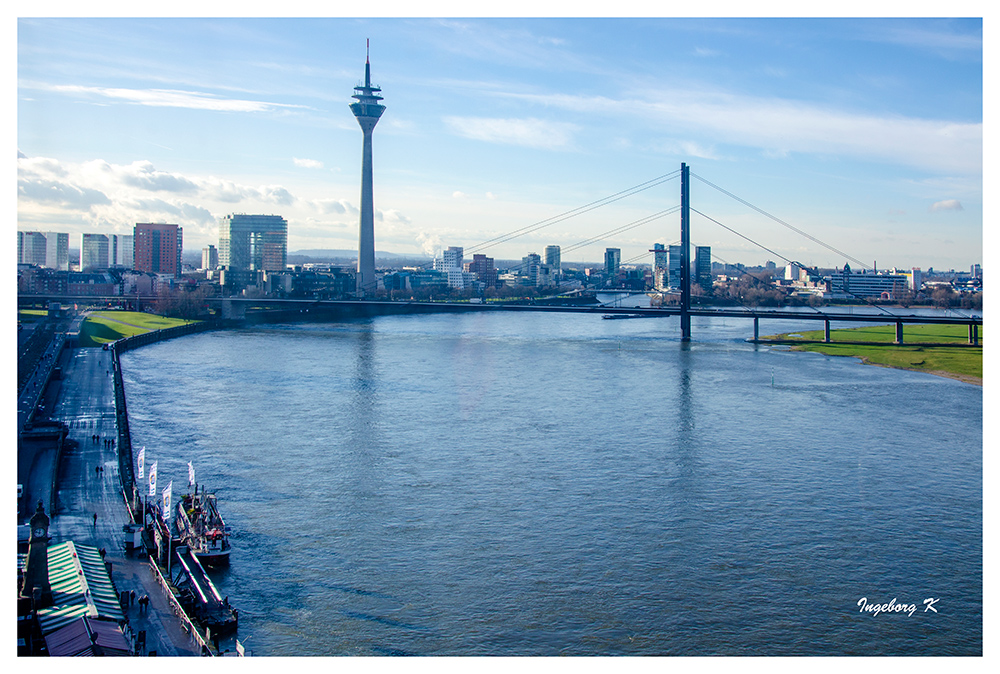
column 557, row 484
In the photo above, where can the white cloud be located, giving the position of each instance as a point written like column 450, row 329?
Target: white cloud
column 58, row 193
column 101, row 195
column 947, row 205
column 307, row 163
column 164, row 98
column 529, row 132
column 458, row 195
column 778, row 125
column 334, row 206
column 689, row 148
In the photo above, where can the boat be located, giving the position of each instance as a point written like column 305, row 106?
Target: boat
column 612, row 317
column 202, row 528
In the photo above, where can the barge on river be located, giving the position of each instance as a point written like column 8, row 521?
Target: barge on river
column 202, row 529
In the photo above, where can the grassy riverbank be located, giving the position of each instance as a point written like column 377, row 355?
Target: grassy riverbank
column 925, row 348
column 102, row 327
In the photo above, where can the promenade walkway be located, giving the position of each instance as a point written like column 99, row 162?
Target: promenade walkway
column 88, row 484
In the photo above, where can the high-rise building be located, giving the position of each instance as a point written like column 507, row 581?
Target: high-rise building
column 530, row 265
column 659, row 252
column 45, row 249
column 209, row 257
column 703, row 267
column 612, row 260
column 121, row 250
column 253, row 242
column 57, row 250
column 450, row 259
column 158, row 248
column 367, row 110
column 93, row 252
column 484, row 269
column 31, row 248
column 553, row 260
column 674, row 266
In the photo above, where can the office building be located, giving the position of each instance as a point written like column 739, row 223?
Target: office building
column 253, row 242
column 612, row 261
column 888, row 286
column 659, row 266
column 94, row 252
column 209, row 257
column 452, row 258
column 674, row 267
column 703, row 267
column 553, row 260
column 484, row 269
column 158, row 248
column 31, row 248
column 530, row 267
column 121, row 250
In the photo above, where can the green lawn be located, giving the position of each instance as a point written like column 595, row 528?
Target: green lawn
column 918, row 351
column 101, row 327
column 31, row 314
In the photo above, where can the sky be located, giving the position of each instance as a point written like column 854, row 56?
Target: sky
column 866, row 134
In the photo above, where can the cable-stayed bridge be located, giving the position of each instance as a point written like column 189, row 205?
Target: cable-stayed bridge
column 239, row 308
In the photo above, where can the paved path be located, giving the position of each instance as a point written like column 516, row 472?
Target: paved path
column 85, row 403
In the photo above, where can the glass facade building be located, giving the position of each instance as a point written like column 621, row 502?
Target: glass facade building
column 253, row 242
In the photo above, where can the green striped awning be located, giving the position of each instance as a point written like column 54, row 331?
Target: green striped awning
column 80, row 587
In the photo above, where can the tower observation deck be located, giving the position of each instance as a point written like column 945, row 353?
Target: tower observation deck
column 367, row 110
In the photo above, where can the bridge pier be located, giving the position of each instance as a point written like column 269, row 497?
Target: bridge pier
column 756, row 329
column 899, row 332
column 826, row 331
column 233, row 311
column 974, row 334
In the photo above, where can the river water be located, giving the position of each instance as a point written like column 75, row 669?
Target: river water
column 558, row 484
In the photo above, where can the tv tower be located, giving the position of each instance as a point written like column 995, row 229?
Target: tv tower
column 367, row 110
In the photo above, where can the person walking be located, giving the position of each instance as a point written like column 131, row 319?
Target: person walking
column 95, row 520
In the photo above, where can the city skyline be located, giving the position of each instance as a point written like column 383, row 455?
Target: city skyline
column 864, row 133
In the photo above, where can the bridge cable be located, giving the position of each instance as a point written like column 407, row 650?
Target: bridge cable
column 847, row 291
column 781, row 222
column 617, row 230
column 586, row 208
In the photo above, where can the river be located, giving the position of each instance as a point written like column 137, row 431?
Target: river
column 557, row 484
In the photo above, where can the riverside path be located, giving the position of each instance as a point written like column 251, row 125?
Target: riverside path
column 88, row 484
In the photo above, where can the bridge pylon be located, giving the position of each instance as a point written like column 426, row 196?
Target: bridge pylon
column 685, row 275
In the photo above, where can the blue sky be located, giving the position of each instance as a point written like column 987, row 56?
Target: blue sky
column 865, row 133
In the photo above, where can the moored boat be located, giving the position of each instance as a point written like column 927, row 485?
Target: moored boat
column 202, row 528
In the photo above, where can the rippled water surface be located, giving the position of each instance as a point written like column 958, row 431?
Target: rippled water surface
column 546, row 484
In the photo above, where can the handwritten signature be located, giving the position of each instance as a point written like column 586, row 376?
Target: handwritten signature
column 893, row 607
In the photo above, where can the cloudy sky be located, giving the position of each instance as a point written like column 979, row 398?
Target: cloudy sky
column 864, row 133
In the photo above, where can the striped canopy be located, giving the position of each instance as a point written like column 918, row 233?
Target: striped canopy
column 80, row 587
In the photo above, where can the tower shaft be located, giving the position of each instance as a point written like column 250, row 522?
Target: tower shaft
column 366, row 282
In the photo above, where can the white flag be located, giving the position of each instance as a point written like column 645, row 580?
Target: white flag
column 141, row 460
column 190, row 473
column 167, row 493
column 152, row 479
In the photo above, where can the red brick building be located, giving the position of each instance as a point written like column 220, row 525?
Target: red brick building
column 158, row 248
